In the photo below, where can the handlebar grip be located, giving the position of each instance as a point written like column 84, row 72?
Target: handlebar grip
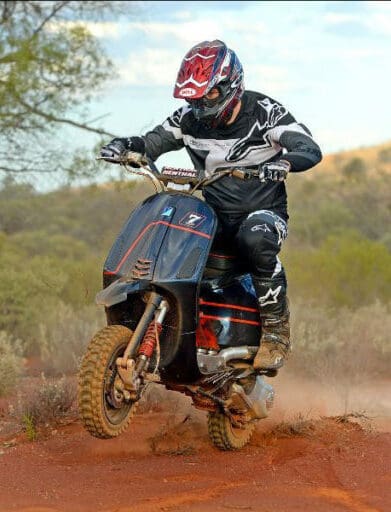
column 136, row 158
column 127, row 158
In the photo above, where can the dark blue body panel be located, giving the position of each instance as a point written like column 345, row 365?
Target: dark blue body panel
column 229, row 309
column 173, row 231
column 164, row 244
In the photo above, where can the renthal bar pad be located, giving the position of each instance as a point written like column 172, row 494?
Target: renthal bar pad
column 179, row 175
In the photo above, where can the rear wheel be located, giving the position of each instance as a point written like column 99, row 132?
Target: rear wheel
column 103, row 410
column 224, row 435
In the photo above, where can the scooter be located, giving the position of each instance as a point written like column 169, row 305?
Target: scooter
column 179, row 313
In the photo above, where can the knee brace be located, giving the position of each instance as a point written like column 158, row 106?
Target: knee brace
column 260, row 238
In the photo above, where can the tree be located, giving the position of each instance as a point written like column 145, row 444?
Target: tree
column 50, row 64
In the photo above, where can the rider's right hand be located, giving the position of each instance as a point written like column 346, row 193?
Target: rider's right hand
column 113, row 151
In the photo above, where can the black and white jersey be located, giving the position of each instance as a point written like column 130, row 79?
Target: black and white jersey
column 263, row 131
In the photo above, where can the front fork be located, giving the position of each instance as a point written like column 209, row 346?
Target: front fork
column 140, row 348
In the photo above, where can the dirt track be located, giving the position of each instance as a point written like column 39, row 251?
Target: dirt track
column 165, row 462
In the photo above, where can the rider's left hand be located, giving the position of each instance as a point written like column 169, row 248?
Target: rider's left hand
column 274, row 171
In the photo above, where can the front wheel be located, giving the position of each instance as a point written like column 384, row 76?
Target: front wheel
column 224, row 435
column 103, row 410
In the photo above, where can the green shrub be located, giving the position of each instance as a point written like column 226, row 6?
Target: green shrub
column 346, row 270
column 325, row 205
column 354, row 169
column 47, row 402
column 343, row 345
column 33, row 285
column 385, row 155
column 311, row 225
column 64, row 334
column 11, row 363
column 29, row 426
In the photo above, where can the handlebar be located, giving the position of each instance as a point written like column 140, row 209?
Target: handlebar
column 140, row 165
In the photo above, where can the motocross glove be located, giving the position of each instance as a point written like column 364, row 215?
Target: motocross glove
column 115, row 149
column 274, row 171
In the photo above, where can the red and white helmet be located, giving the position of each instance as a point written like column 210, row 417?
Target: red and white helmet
column 209, row 65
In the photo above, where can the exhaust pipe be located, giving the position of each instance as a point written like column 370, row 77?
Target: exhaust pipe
column 260, row 398
column 211, row 361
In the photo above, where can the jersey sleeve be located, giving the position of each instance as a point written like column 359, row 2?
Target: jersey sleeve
column 167, row 136
column 282, row 129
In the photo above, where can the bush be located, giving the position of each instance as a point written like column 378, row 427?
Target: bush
column 34, row 285
column 10, row 362
column 327, row 205
column 312, row 224
column 28, row 287
column 354, row 169
column 342, row 345
column 385, row 155
column 346, row 270
column 47, row 402
column 64, row 335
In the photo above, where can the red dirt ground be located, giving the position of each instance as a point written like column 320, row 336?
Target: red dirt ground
column 165, row 462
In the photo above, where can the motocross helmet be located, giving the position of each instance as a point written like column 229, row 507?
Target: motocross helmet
column 209, row 65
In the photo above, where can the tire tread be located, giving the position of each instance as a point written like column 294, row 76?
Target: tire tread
column 90, row 382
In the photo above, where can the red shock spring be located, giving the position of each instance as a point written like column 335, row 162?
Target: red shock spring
column 150, row 339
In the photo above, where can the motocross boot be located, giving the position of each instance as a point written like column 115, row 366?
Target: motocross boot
column 274, row 311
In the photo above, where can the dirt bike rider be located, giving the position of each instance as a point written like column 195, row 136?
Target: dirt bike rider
column 225, row 126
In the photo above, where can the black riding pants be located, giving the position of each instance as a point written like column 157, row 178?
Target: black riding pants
column 257, row 238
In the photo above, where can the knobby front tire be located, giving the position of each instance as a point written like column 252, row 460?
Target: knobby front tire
column 96, row 378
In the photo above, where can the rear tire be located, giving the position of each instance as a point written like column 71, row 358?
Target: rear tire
column 99, row 415
column 224, row 435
